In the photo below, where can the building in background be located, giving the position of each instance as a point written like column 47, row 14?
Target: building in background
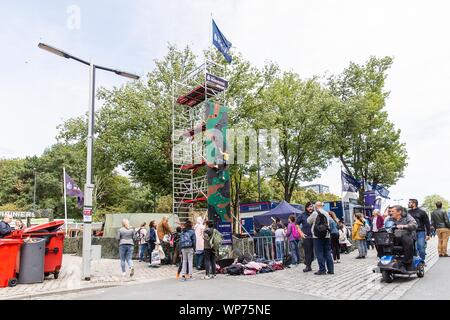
column 318, row 188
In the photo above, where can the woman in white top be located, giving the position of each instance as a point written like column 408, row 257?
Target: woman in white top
column 199, row 229
column 141, row 236
column 280, row 236
column 343, row 241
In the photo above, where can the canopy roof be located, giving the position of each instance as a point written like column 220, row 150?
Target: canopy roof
column 282, row 211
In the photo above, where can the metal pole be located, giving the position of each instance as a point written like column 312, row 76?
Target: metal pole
column 65, row 198
column 34, row 199
column 34, row 192
column 89, row 186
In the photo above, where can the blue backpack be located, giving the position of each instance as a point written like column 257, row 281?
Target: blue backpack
column 186, row 239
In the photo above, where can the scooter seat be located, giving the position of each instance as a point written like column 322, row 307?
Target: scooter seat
column 397, row 248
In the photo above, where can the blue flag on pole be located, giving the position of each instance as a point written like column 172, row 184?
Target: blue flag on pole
column 381, row 191
column 349, row 184
column 221, row 43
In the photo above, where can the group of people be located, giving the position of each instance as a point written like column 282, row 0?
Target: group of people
column 5, row 225
column 200, row 241
column 315, row 233
column 416, row 226
column 318, row 234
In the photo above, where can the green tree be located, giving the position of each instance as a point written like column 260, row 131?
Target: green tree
column 293, row 106
column 429, row 203
column 363, row 139
column 13, row 189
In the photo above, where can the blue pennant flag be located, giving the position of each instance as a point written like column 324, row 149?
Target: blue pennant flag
column 381, row 191
column 349, row 184
column 221, row 43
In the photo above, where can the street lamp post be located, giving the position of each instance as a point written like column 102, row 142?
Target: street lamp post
column 89, row 186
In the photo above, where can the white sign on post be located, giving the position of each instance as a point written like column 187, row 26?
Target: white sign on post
column 87, row 214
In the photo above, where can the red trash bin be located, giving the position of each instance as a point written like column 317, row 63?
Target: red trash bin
column 9, row 250
column 54, row 244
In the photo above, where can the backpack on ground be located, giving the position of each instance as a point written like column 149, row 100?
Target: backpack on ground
column 321, row 227
column 245, row 258
column 216, row 240
column 235, row 270
column 266, row 270
column 186, row 240
column 287, row 260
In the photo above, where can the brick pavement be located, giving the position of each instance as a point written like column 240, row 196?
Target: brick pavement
column 105, row 273
column 353, row 279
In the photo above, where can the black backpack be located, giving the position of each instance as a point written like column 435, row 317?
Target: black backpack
column 321, row 227
column 235, row 270
column 287, row 261
column 245, row 258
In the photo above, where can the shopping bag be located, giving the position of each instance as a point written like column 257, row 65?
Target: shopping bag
column 162, row 255
column 155, row 259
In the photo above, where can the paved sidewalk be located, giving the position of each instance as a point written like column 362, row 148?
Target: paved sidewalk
column 105, row 273
column 353, row 279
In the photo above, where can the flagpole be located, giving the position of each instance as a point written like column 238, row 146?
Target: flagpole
column 65, row 198
column 210, row 28
column 342, row 191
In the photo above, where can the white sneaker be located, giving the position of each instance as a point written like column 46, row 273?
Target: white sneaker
column 124, row 274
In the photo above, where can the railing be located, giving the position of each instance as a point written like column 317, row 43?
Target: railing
column 262, row 247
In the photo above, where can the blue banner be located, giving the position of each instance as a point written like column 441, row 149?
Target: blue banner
column 369, row 199
column 226, row 230
column 381, row 191
column 349, row 184
column 221, row 43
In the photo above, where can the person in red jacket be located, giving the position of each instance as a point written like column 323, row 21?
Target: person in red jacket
column 377, row 224
column 377, row 220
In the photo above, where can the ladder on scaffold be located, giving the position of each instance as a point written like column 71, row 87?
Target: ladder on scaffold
column 190, row 95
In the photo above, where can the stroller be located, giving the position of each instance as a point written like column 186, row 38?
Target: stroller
column 390, row 264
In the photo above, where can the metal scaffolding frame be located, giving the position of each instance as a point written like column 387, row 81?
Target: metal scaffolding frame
column 189, row 98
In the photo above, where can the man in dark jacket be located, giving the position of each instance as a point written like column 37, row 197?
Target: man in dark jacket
column 210, row 254
column 308, row 244
column 5, row 228
column 407, row 225
column 423, row 231
column 441, row 223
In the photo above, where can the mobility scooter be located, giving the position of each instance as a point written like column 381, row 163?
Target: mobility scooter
column 390, row 264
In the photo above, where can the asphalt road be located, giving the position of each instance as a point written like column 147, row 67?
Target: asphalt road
column 216, row 289
column 434, row 286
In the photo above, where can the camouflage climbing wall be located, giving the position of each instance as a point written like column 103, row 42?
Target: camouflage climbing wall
column 217, row 169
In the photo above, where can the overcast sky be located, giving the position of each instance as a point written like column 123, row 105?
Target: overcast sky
column 38, row 90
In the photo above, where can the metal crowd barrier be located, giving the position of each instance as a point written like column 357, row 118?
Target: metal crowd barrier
column 262, row 247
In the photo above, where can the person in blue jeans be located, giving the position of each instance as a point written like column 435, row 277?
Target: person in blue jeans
column 322, row 245
column 141, row 235
column 423, row 231
column 126, row 236
column 280, row 237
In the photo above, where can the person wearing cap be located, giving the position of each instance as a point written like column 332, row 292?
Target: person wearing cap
column 5, row 228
